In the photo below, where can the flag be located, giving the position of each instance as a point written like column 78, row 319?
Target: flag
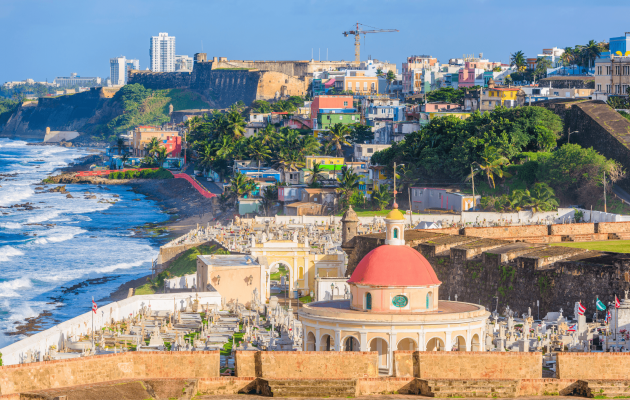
column 94, row 306
column 617, row 303
column 581, row 308
column 600, row 306
column 572, row 328
column 608, row 316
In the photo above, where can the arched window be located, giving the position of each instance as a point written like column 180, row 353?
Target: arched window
column 368, row 301
column 395, row 233
column 429, row 300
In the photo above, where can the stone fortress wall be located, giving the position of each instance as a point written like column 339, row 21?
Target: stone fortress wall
column 488, row 266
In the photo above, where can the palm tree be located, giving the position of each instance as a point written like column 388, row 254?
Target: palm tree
column 242, row 185
column 391, row 77
column 491, row 165
column 542, row 198
column 337, row 137
column 235, row 126
column 160, row 156
column 348, row 181
column 120, row 144
column 316, row 174
column 289, row 161
column 223, row 148
column 592, row 50
column 308, row 146
column 380, row 196
column 123, row 159
column 152, row 146
column 542, row 64
column 259, row 152
column 568, row 57
column 207, row 157
column 269, row 198
column 518, row 60
column 268, row 135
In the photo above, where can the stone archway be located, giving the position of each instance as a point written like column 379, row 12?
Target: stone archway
column 327, row 343
column 459, row 344
column 407, row 344
column 435, row 344
column 350, row 343
column 381, row 346
column 311, row 344
column 274, row 268
column 475, row 345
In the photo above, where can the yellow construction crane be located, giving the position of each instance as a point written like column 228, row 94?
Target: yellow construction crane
column 357, row 39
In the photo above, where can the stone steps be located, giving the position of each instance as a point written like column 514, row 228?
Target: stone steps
column 578, row 238
column 605, row 388
column 449, row 388
column 620, row 236
column 312, row 387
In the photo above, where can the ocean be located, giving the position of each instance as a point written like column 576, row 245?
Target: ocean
column 58, row 255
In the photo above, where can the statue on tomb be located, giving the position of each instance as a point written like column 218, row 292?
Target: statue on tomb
column 264, row 237
column 295, row 237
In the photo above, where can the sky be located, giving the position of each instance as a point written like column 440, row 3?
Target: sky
column 43, row 39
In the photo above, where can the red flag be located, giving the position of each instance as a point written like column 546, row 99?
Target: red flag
column 94, row 306
column 581, row 308
column 617, row 303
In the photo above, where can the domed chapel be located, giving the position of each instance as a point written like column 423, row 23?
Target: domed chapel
column 394, row 305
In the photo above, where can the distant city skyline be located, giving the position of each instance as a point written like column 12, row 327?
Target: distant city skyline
column 288, row 30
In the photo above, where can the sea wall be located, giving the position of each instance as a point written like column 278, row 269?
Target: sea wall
column 168, row 254
column 81, row 325
column 467, row 365
column 306, row 364
column 110, row 367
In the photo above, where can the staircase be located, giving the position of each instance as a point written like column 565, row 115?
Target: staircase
column 310, row 387
column 619, row 236
column 449, row 388
column 578, row 238
column 604, row 388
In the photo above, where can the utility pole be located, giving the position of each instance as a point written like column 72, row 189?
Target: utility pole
column 605, row 210
column 472, row 178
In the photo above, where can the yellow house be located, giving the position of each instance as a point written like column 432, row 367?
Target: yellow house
column 506, row 97
column 357, row 82
column 324, row 160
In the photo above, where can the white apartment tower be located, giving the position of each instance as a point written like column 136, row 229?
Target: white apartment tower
column 162, row 53
column 118, row 70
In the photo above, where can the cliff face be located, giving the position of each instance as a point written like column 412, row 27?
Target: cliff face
column 79, row 112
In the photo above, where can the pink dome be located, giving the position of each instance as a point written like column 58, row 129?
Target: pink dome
column 390, row 265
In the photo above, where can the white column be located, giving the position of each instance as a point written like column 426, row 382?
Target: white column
column 422, row 345
column 364, row 343
column 306, row 267
column 337, row 340
column 468, row 339
column 390, row 356
column 447, row 345
column 294, row 277
column 317, row 339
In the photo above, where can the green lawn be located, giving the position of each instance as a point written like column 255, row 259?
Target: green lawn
column 187, row 262
column 615, row 246
column 276, row 275
column 147, row 288
column 185, row 100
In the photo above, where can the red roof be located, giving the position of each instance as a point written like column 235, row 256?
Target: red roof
column 390, row 265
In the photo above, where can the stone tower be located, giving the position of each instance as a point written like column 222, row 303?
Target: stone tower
column 349, row 223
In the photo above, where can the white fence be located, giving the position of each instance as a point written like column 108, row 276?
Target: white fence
column 82, row 324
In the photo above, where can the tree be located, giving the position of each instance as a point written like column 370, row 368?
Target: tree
column 289, row 161
column 391, row 77
column 542, row 64
column 242, row 185
column 518, row 60
column 380, row 196
column 336, row 137
column 348, row 182
column 360, row 133
column 153, row 145
column 120, row 144
column 316, row 174
column 591, row 51
column 160, row 156
column 491, row 164
column 269, row 198
column 123, row 159
column 235, row 127
column 542, row 198
column 259, row 152
column 261, row 106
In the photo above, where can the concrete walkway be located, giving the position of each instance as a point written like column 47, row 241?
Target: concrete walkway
column 210, row 186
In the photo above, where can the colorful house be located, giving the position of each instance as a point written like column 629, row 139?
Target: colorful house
column 328, row 120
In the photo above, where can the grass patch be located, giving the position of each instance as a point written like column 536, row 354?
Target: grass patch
column 306, row 299
column 282, row 271
column 183, row 99
column 227, row 348
column 147, row 288
column 615, row 246
column 187, row 262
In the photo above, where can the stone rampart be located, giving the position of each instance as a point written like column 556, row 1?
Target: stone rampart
column 306, row 364
column 500, row 232
column 572, row 229
column 467, row 365
column 612, row 227
column 547, row 387
column 89, row 370
column 160, row 80
column 586, row 366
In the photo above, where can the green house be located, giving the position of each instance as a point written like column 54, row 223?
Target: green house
column 328, row 120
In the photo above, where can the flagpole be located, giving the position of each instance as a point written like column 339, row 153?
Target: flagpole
column 616, row 319
column 92, row 323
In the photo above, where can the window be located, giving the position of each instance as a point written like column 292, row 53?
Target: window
column 395, row 233
column 429, row 295
column 617, row 70
column 599, row 88
column 400, row 301
column 368, row 301
column 556, row 93
column 617, row 89
column 370, row 150
column 345, row 103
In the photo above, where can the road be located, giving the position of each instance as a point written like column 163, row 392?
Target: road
column 211, row 186
column 622, row 194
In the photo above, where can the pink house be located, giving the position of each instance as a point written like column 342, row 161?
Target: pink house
column 470, row 76
column 440, row 106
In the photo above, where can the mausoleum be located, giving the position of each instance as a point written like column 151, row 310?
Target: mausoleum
column 393, row 304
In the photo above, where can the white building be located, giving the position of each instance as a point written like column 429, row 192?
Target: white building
column 76, row 80
column 183, row 63
column 162, row 53
column 119, row 68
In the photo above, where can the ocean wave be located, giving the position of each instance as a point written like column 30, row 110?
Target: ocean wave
column 43, row 217
column 10, row 225
column 10, row 288
column 124, row 265
column 56, row 238
column 12, row 194
column 12, row 143
column 7, row 252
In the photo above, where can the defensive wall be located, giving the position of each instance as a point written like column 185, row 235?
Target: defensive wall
column 488, row 266
column 568, row 82
column 261, row 372
column 224, row 87
column 40, row 342
column 598, row 126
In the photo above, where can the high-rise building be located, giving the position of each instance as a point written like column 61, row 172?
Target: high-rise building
column 118, row 70
column 162, row 53
column 133, row 64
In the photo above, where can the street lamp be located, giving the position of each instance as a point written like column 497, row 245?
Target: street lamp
column 569, row 137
